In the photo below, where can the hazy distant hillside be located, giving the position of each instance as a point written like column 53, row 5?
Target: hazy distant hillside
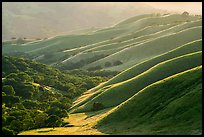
column 47, row 19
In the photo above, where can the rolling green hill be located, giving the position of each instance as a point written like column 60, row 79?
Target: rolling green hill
column 140, row 52
column 131, row 40
column 141, row 67
column 164, row 107
column 117, row 93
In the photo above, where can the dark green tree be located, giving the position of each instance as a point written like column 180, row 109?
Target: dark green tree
column 24, row 77
column 6, row 131
column 29, row 104
column 9, row 119
column 28, row 124
column 54, row 121
column 16, row 125
column 19, row 106
column 40, row 119
column 10, row 100
column 8, row 89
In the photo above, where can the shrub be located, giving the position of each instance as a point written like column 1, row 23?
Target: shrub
column 108, row 64
column 185, row 14
column 54, row 121
column 97, row 106
column 118, row 62
column 20, row 41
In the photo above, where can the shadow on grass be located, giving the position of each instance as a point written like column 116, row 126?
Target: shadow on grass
column 93, row 113
column 45, row 131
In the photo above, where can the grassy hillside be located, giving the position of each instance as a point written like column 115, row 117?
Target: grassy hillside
column 164, row 107
column 169, row 121
column 132, row 35
column 157, row 20
column 158, row 29
column 133, row 19
column 141, row 67
column 116, row 48
column 61, row 42
column 142, row 38
column 117, row 93
column 131, row 40
column 140, row 52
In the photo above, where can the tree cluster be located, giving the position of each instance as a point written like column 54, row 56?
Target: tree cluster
column 35, row 95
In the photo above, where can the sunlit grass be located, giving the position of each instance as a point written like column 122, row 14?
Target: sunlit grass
column 164, row 107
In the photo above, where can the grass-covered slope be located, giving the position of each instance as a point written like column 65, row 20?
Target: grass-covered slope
column 170, row 106
column 161, row 19
column 117, row 93
column 60, row 42
column 140, row 52
column 151, row 29
column 130, row 36
column 137, row 69
column 143, row 35
column 147, row 34
column 133, row 19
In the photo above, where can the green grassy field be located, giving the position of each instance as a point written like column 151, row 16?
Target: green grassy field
column 164, row 107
